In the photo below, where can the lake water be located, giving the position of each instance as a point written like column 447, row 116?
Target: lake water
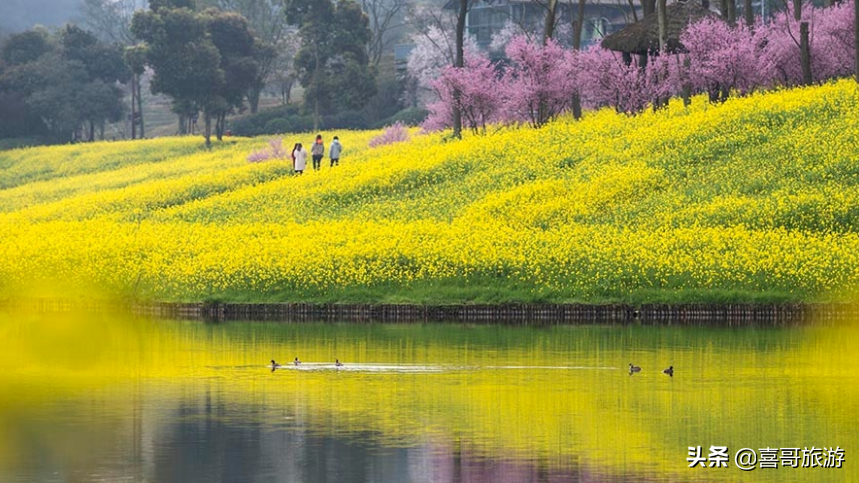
column 99, row 398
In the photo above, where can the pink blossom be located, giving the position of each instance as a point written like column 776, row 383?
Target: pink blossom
column 540, row 82
column 479, row 101
column 722, row 58
column 396, row 133
column 274, row 150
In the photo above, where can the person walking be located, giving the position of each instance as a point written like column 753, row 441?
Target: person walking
column 318, row 151
column 300, row 155
column 334, row 152
column 292, row 154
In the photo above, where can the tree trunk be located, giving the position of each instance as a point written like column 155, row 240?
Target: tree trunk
column 797, row 10
column 459, row 62
column 548, row 33
column 220, row 120
column 183, row 126
column 253, row 98
column 805, row 54
column 316, row 69
column 133, row 106
column 856, row 39
column 663, row 24
column 732, row 11
column 648, row 7
column 723, row 8
column 579, row 25
column 91, row 131
column 140, row 107
column 207, row 119
column 549, row 28
column 316, row 122
column 748, row 13
column 686, row 92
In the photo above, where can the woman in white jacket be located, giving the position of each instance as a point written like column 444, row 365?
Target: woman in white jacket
column 300, row 155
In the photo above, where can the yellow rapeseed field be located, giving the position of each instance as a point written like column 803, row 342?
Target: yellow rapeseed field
column 755, row 199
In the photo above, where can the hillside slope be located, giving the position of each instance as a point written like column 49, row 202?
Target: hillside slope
column 755, row 199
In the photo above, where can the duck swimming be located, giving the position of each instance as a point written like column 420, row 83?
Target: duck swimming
column 296, row 362
column 338, row 363
column 669, row 371
column 633, row 368
column 274, row 365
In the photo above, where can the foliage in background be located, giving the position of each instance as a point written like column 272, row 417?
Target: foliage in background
column 206, row 62
column 62, row 85
column 332, row 62
column 414, row 116
column 276, row 44
column 289, row 119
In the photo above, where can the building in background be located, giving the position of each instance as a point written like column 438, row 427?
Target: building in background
column 485, row 20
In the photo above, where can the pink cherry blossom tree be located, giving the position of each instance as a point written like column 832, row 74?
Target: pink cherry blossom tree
column 478, row 85
column 722, row 58
column 540, row 81
column 832, row 49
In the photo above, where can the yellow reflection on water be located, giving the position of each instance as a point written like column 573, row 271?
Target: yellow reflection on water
column 88, row 388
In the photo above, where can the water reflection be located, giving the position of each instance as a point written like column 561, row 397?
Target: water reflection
column 187, row 402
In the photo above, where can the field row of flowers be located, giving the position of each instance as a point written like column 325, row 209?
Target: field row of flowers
column 754, row 196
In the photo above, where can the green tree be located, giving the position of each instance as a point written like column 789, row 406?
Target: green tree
column 238, row 49
column 70, row 82
column 99, row 99
column 25, row 47
column 186, row 62
column 273, row 51
column 332, row 61
column 111, row 21
column 135, row 59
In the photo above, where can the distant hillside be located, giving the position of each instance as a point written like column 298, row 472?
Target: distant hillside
column 20, row 15
column 755, row 199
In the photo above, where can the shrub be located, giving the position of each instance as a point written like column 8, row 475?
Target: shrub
column 395, row 133
column 275, row 150
column 413, row 116
column 278, row 125
column 355, row 120
column 258, row 124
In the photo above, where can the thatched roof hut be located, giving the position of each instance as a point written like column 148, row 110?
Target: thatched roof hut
column 642, row 37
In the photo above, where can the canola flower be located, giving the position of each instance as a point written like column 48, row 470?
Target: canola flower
column 755, row 196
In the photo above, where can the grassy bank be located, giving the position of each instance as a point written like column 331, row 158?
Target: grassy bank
column 753, row 200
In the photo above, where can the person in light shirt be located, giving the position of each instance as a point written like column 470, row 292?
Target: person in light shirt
column 300, row 156
column 334, row 151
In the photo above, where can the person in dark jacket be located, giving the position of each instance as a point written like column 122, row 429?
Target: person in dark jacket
column 317, row 151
